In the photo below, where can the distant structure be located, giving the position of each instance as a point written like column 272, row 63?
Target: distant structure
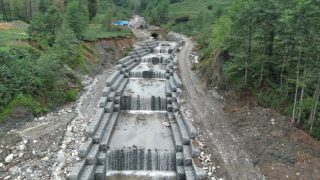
column 122, row 23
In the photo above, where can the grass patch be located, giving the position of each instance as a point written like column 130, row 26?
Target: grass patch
column 187, row 7
column 205, row 64
column 10, row 36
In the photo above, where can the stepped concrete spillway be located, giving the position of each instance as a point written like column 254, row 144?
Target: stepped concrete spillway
column 138, row 129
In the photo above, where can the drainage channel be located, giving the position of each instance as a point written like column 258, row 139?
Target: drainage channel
column 138, row 130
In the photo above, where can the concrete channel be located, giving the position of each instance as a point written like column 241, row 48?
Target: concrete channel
column 138, row 130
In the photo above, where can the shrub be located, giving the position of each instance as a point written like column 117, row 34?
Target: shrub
column 193, row 67
column 182, row 18
column 210, row 7
column 72, row 94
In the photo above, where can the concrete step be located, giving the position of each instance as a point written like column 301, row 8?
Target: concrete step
column 176, row 137
column 102, row 102
column 194, row 148
column 185, row 139
column 172, row 84
column 98, row 135
column 190, row 128
column 181, row 175
column 105, row 91
column 174, row 107
column 102, row 156
column 77, row 170
column 122, row 86
column 88, row 173
column 133, row 65
column 187, row 158
column 112, row 78
column 177, row 80
column 123, row 60
column 85, row 148
column 197, row 168
column 117, row 100
column 100, row 173
column 174, row 96
column 109, row 107
column 106, row 137
column 111, row 96
column 93, row 126
column 116, row 108
column 189, row 173
column 169, row 108
column 179, row 159
column 117, row 83
column 91, row 158
column 128, row 63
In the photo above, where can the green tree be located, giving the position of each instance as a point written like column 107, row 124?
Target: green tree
column 42, row 6
column 107, row 19
column 77, row 18
column 93, row 7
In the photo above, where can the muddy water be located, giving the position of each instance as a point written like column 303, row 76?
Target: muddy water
column 145, row 88
column 141, row 175
column 143, row 130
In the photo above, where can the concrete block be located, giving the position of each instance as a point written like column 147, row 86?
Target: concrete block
column 171, row 72
column 85, row 148
column 117, row 83
column 175, row 68
column 128, row 63
column 111, row 96
column 185, row 139
column 131, row 53
column 116, row 108
column 179, row 91
column 197, row 168
column 102, row 102
column 174, row 96
column 133, row 56
column 187, row 158
column 194, row 148
column 102, row 156
column 109, row 107
column 167, row 75
column 174, row 61
column 100, row 173
column 180, row 173
column 105, row 91
column 118, row 67
column 172, row 84
column 169, row 108
column 117, row 100
column 190, row 128
column 77, row 170
column 123, row 60
column 106, row 137
column 174, row 107
column 112, row 78
column 169, row 100
column 189, row 173
column 88, row 172
column 133, row 65
column 122, row 86
column 98, row 135
column 170, row 117
column 91, row 158
column 176, row 137
column 177, row 80
column 93, row 126
column 179, row 159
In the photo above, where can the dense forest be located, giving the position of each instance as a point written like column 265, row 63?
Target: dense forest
column 270, row 47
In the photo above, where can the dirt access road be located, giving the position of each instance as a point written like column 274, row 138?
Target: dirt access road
column 214, row 128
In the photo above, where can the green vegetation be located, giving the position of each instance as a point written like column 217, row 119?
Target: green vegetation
column 93, row 34
column 270, row 50
column 10, row 36
column 37, row 75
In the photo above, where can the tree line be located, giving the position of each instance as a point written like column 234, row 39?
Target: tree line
column 272, row 50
